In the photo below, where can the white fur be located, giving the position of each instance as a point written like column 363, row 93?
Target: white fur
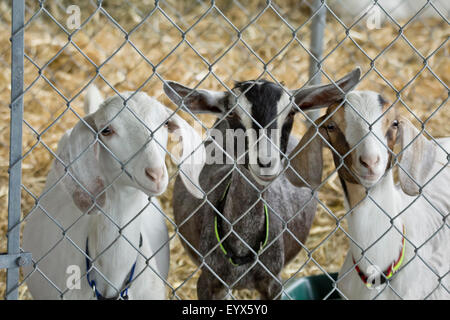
column 400, row 10
column 363, row 109
column 126, row 207
column 284, row 106
column 93, row 100
column 422, row 218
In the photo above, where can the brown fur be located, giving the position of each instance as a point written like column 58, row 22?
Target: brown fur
column 339, row 143
column 196, row 225
column 415, row 160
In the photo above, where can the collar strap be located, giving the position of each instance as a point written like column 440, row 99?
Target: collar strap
column 389, row 272
column 236, row 260
column 124, row 293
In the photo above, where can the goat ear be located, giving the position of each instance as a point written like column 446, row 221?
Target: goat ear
column 198, row 101
column 306, row 158
column 92, row 100
column 193, row 154
column 79, row 151
column 322, row 96
column 417, row 157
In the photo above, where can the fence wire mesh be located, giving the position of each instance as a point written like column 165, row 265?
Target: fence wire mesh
column 118, row 46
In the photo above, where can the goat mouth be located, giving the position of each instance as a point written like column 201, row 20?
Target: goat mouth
column 263, row 179
column 148, row 191
column 367, row 179
column 267, row 178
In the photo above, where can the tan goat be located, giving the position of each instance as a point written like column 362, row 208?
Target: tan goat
column 399, row 233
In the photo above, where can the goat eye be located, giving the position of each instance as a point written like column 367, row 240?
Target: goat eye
column 166, row 124
column 107, row 131
column 395, row 124
column 331, row 127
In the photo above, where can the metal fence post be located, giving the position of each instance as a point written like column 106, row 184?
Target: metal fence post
column 316, row 47
column 15, row 157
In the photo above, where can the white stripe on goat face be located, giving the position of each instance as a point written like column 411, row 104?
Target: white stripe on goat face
column 370, row 156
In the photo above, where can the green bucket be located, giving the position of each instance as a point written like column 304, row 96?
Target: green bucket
column 312, row 288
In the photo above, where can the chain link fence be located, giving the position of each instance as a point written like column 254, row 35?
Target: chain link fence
column 58, row 49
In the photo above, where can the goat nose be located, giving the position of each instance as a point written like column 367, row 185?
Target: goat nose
column 369, row 161
column 264, row 165
column 154, row 174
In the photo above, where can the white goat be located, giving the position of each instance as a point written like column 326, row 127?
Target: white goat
column 94, row 228
column 395, row 229
column 400, row 10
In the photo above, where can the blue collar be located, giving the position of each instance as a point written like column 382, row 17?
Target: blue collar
column 124, row 293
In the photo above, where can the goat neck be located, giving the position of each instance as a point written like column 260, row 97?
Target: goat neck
column 245, row 211
column 108, row 245
column 369, row 223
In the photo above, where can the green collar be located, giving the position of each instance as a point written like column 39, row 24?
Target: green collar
column 235, row 260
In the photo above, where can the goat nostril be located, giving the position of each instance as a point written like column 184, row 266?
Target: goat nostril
column 369, row 162
column 154, row 174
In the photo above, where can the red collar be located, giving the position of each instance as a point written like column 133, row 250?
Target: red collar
column 389, row 272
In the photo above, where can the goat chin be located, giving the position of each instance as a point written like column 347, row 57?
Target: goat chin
column 263, row 180
column 368, row 181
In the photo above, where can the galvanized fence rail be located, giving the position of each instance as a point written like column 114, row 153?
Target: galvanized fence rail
column 14, row 259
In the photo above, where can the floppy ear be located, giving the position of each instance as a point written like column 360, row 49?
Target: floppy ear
column 306, row 158
column 322, row 96
column 79, row 152
column 417, row 158
column 198, row 101
column 193, row 154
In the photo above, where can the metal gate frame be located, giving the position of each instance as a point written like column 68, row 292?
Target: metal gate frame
column 14, row 259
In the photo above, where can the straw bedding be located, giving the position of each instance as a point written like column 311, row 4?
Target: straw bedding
column 215, row 41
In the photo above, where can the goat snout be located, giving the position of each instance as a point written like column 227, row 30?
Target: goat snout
column 155, row 174
column 369, row 161
column 264, row 164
